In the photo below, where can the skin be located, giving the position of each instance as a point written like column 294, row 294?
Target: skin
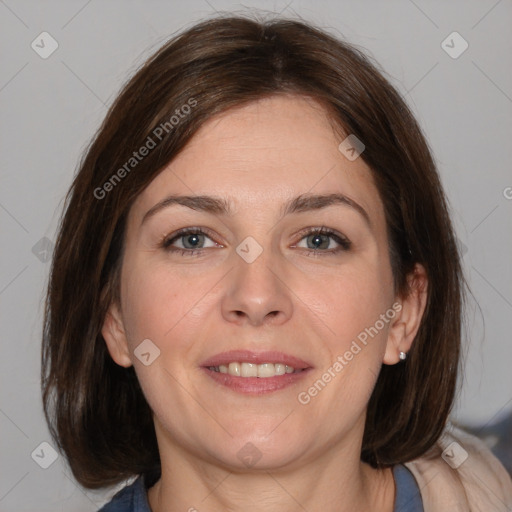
column 193, row 307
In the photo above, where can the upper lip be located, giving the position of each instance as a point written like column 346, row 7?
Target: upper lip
column 248, row 356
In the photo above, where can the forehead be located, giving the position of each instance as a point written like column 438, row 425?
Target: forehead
column 261, row 154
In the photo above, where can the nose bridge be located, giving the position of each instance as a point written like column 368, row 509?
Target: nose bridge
column 256, row 293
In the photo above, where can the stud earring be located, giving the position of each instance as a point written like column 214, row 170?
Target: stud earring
column 402, row 356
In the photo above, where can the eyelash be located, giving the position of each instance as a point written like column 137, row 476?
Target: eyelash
column 344, row 243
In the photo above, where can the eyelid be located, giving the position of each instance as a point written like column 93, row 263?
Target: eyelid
column 167, row 239
column 311, row 230
column 343, row 242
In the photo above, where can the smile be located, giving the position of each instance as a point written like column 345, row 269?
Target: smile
column 255, row 373
column 264, row 370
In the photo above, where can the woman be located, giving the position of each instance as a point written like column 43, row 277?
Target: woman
column 256, row 296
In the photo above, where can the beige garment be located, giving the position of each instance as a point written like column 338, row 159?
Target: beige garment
column 450, row 482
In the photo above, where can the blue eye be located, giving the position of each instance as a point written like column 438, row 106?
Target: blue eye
column 318, row 241
column 192, row 241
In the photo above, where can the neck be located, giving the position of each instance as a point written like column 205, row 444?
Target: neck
column 329, row 484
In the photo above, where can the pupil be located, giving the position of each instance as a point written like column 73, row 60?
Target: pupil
column 195, row 237
column 317, row 241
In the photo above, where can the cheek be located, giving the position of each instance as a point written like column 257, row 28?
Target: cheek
column 351, row 302
column 159, row 305
column 353, row 305
column 154, row 301
column 166, row 305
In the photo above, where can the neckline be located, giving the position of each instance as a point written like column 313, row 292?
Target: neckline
column 406, row 487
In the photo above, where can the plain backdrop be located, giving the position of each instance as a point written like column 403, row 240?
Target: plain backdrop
column 52, row 106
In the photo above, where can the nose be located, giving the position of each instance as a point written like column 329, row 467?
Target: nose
column 256, row 293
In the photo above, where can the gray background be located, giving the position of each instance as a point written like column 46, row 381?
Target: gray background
column 51, row 108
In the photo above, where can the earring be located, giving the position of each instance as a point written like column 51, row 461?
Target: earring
column 402, row 356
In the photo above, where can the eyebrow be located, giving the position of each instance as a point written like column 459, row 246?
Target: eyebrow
column 219, row 206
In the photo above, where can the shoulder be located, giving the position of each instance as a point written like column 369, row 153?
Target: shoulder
column 461, row 474
column 131, row 498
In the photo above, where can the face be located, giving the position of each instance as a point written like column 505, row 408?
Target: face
column 254, row 281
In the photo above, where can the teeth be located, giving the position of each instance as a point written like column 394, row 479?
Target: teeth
column 266, row 370
column 248, row 370
column 254, row 370
column 234, row 369
column 280, row 369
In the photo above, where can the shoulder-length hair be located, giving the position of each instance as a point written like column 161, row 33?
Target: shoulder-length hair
column 95, row 409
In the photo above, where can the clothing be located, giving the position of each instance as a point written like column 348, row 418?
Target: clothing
column 133, row 498
column 478, row 483
column 408, row 497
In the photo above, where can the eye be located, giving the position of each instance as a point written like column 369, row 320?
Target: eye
column 191, row 241
column 188, row 241
column 324, row 240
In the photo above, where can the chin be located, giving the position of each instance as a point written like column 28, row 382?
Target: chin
column 260, row 452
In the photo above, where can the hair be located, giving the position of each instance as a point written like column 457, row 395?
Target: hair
column 96, row 411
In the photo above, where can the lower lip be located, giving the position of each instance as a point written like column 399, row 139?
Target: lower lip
column 256, row 385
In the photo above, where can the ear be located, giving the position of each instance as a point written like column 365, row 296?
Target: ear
column 114, row 334
column 408, row 318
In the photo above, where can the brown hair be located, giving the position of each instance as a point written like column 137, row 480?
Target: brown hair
column 95, row 409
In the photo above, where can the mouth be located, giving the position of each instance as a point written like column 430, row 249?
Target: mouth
column 255, row 373
column 262, row 371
